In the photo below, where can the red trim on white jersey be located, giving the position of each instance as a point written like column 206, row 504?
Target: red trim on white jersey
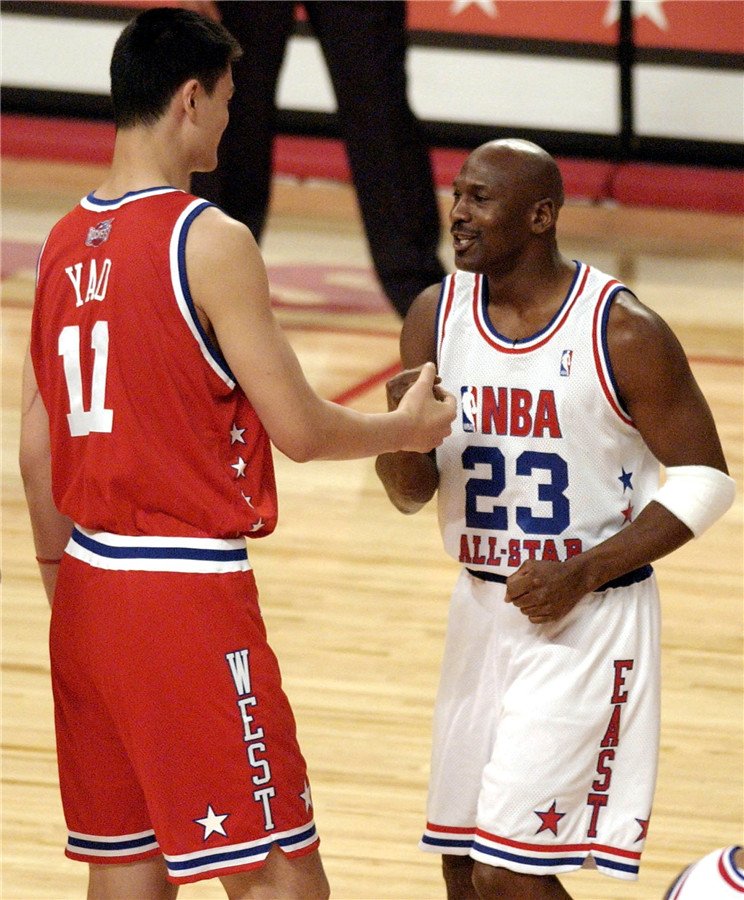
column 504, row 345
column 444, row 312
column 601, row 352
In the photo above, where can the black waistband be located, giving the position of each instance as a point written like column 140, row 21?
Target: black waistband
column 621, row 581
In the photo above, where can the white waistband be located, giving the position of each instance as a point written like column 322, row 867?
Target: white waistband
column 157, row 554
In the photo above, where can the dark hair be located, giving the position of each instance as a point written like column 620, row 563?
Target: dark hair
column 157, row 52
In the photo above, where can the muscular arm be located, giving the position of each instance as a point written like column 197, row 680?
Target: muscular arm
column 51, row 530
column 411, row 479
column 228, row 282
column 660, row 393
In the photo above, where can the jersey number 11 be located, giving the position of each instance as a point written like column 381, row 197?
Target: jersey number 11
column 83, row 421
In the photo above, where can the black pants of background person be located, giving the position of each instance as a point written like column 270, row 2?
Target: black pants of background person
column 364, row 45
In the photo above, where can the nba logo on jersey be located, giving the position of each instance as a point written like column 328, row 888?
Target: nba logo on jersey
column 98, row 234
column 469, row 404
column 566, row 358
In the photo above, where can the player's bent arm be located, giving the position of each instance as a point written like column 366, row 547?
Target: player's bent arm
column 411, row 479
column 228, row 282
column 51, row 530
column 667, row 406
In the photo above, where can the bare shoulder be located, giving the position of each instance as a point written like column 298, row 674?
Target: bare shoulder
column 641, row 344
column 658, row 388
column 216, row 233
column 629, row 318
column 418, row 337
column 224, row 264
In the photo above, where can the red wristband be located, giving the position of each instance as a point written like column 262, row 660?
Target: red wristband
column 48, row 562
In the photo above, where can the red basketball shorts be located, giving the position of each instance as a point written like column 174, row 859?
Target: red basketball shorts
column 174, row 735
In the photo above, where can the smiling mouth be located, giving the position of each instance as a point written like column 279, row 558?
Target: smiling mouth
column 462, row 241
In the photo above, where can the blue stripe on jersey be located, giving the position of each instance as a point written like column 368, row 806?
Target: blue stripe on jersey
column 213, row 351
column 92, row 202
column 533, row 338
column 605, row 348
column 144, row 552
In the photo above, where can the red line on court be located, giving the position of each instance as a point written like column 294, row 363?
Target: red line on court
column 363, row 386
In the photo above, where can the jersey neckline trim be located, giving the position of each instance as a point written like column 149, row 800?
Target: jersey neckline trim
column 524, row 345
column 94, row 204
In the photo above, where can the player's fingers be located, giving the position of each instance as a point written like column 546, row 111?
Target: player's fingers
column 427, row 375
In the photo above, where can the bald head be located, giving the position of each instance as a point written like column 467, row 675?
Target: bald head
column 506, row 200
column 524, row 166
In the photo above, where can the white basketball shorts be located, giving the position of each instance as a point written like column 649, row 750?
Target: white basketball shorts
column 546, row 736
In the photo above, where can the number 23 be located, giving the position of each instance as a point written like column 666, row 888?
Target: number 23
column 527, row 462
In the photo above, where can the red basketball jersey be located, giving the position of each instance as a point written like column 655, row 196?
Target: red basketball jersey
column 150, row 433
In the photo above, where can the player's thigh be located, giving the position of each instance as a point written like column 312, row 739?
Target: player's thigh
column 145, row 880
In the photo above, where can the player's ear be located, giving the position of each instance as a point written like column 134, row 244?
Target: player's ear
column 544, row 214
column 188, row 96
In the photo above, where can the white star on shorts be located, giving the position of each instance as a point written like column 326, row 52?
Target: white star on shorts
column 212, row 823
column 307, row 796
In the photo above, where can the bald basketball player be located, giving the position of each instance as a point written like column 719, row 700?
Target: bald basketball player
column 572, row 394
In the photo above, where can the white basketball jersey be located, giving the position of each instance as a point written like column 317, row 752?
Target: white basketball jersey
column 714, row 877
column 543, row 461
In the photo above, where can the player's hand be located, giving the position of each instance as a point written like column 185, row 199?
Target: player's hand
column 431, row 408
column 543, row 590
column 399, row 384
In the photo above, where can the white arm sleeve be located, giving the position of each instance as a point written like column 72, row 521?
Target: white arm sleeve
column 696, row 495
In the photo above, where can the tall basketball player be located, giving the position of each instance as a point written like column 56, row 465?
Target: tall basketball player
column 571, row 395
column 156, row 380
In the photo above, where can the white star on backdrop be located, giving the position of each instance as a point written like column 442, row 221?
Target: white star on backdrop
column 236, row 435
column 239, row 467
column 486, row 6
column 649, row 9
column 212, row 823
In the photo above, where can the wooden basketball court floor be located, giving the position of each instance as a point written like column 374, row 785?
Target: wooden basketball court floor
column 355, row 595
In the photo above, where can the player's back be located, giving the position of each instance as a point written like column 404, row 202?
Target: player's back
column 150, row 433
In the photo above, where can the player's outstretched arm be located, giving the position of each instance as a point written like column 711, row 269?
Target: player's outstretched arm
column 230, row 288
column 667, row 406
column 411, row 479
column 51, row 530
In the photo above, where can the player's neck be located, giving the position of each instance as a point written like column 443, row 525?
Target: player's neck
column 143, row 158
column 534, row 278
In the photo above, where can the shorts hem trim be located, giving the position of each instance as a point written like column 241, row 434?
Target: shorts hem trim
column 216, row 861
column 255, row 863
column 530, row 858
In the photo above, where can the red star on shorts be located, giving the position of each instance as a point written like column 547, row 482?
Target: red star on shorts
column 550, row 819
column 644, row 829
column 628, row 514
